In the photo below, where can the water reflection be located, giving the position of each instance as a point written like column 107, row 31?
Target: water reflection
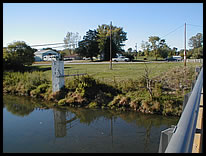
column 61, row 123
column 119, row 127
column 64, row 120
column 64, row 117
column 19, row 107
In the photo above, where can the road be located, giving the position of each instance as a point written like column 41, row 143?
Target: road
column 80, row 62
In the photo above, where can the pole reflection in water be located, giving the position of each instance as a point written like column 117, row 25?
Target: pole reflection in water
column 28, row 122
column 61, row 121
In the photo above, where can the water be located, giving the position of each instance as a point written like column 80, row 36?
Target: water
column 30, row 126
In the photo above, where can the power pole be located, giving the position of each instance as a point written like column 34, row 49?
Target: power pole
column 136, row 51
column 110, row 46
column 185, row 48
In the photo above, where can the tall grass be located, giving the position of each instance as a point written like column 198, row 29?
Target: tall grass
column 23, row 83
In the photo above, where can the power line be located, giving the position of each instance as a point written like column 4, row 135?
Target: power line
column 53, row 47
column 45, row 44
column 195, row 25
column 173, row 30
column 58, row 46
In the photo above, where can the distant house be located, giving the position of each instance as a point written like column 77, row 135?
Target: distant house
column 42, row 55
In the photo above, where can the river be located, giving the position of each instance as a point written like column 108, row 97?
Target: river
column 30, row 126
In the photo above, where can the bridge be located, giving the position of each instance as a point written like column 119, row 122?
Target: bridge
column 187, row 135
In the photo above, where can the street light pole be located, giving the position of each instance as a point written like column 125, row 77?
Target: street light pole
column 110, row 46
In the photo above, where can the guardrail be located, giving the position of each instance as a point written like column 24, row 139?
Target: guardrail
column 180, row 137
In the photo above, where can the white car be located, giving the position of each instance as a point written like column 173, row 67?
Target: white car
column 86, row 58
column 50, row 57
column 120, row 58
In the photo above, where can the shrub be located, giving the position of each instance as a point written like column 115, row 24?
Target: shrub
column 124, row 101
column 155, row 106
column 62, row 102
column 75, row 99
column 167, row 107
column 23, row 83
column 93, row 105
column 38, row 92
column 145, row 106
column 135, row 104
column 115, row 101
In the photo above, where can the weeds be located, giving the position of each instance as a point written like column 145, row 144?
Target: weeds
column 159, row 95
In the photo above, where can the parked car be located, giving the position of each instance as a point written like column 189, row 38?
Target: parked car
column 50, row 57
column 86, row 58
column 68, row 59
column 120, row 58
column 174, row 58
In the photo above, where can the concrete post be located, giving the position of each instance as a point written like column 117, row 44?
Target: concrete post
column 57, row 75
column 165, row 138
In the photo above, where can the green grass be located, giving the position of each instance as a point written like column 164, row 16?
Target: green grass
column 115, row 89
column 119, row 72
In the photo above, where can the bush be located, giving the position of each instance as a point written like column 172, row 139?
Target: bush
column 75, row 99
column 38, row 92
column 23, row 83
column 62, row 102
column 167, row 107
column 93, row 105
column 135, row 104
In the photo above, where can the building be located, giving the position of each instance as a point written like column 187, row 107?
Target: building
column 45, row 55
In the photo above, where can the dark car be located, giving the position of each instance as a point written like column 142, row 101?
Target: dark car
column 173, row 59
column 170, row 59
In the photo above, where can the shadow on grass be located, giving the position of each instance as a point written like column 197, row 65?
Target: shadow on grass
column 139, row 60
column 32, row 68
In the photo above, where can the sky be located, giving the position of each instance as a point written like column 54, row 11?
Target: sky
column 47, row 23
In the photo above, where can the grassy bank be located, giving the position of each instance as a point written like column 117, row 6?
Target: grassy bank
column 123, row 88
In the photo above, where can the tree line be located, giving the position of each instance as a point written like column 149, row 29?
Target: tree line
column 157, row 47
column 97, row 43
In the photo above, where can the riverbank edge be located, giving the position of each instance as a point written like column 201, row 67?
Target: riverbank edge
column 89, row 93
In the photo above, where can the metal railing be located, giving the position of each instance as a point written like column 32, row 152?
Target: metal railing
column 182, row 137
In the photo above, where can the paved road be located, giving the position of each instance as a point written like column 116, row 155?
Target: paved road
column 76, row 62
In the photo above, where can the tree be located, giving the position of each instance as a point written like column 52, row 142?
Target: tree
column 71, row 40
column 154, row 40
column 145, row 47
column 89, row 46
column 106, row 49
column 197, row 53
column 129, row 50
column 163, row 49
column 17, row 55
column 196, row 41
column 118, row 37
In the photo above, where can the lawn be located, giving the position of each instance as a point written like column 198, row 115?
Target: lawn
column 119, row 72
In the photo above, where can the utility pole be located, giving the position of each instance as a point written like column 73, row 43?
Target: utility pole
column 136, row 51
column 110, row 46
column 185, row 48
